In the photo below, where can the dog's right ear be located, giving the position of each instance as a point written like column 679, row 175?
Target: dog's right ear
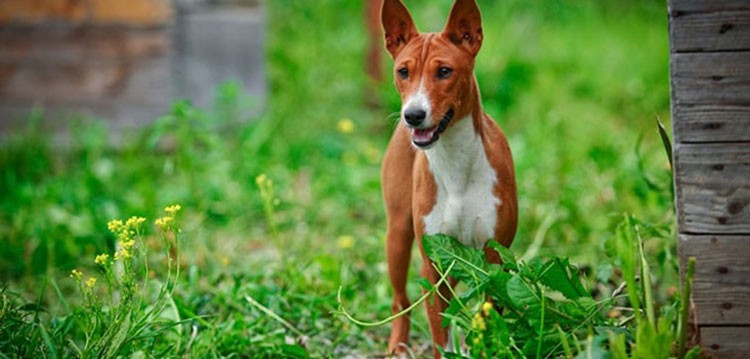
column 398, row 25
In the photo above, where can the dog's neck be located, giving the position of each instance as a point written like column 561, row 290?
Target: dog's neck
column 452, row 160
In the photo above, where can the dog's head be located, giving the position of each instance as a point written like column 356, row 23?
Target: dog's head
column 434, row 72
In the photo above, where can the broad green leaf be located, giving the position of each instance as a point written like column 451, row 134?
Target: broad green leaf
column 506, row 255
column 560, row 276
column 525, row 298
column 497, row 287
column 424, row 283
column 471, row 265
column 573, row 312
column 453, row 309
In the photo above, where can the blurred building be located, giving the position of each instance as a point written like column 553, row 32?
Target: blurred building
column 124, row 60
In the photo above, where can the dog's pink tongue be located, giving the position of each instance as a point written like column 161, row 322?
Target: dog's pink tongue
column 423, row 135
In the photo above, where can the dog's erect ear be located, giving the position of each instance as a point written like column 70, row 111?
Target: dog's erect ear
column 464, row 27
column 398, row 25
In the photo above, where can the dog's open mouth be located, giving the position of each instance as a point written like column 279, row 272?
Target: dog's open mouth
column 424, row 137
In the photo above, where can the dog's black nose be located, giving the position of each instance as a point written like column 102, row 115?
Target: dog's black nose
column 414, row 117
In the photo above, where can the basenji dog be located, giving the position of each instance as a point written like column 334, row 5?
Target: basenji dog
column 448, row 168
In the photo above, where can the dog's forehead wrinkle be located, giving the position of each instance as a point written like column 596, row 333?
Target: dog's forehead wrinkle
column 426, row 47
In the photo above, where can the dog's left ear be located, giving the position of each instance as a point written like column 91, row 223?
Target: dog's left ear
column 464, row 27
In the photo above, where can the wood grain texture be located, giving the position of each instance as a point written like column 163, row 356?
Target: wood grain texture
column 710, row 84
column 99, row 12
column 726, row 342
column 721, row 78
column 680, row 6
column 712, row 183
column 721, row 289
column 711, row 123
column 710, row 31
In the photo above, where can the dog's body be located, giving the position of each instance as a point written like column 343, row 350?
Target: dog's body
column 448, row 168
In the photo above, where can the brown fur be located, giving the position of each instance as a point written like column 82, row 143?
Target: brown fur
column 409, row 188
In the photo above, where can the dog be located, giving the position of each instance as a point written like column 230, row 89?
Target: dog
column 448, row 167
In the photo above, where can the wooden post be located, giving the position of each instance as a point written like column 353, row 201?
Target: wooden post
column 710, row 80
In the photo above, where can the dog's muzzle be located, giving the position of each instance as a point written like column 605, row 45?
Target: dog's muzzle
column 423, row 138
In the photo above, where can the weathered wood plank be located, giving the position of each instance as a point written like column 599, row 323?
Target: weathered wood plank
column 132, row 12
column 721, row 289
column 73, row 65
column 710, row 31
column 713, row 188
column 726, row 342
column 711, row 78
column 711, row 123
column 706, row 5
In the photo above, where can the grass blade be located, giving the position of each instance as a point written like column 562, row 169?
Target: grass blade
column 564, row 341
column 48, row 341
column 648, row 296
column 540, row 338
column 665, row 140
column 273, row 315
column 685, row 307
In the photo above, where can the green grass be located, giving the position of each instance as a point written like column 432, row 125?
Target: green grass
column 577, row 87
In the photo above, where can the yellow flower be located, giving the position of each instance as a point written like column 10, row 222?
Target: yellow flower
column 122, row 254
column 346, row 242
column 172, row 209
column 487, row 308
column 478, row 339
column 128, row 244
column 75, row 273
column 346, row 126
column 101, row 259
column 163, row 222
column 91, row 282
column 124, row 236
column 478, row 323
column 261, row 179
column 134, row 222
column 114, row 225
column 224, row 261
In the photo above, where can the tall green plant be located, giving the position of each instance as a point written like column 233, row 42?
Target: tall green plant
column 127, row 315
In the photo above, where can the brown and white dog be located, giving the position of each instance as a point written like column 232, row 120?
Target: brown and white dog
column 448, row 168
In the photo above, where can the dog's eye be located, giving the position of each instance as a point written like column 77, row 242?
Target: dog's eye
column 444, row 72
column 403, row 72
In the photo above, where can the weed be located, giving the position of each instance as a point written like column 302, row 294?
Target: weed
column 122, row 304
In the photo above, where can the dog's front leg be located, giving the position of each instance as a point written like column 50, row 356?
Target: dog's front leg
column 398, row 247
column 436, row 305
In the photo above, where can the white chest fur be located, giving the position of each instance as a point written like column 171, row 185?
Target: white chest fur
column 465, row 207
